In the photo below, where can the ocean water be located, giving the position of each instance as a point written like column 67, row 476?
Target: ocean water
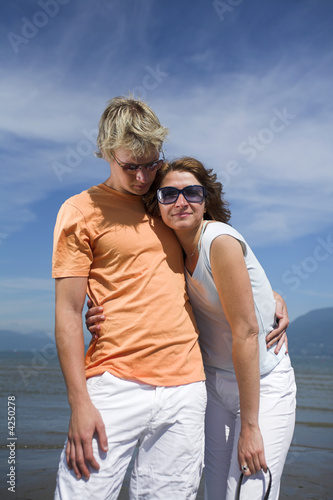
column 34, row 379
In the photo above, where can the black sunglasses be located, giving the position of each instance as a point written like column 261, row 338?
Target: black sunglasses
column 169, row 194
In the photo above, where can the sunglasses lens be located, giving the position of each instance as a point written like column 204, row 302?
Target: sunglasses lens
column 155, row 166
column 193, row 194
column 151, row 167
column 167, row 195
column 130, row 169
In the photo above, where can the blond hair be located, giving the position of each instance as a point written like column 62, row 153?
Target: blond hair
column 130, row 124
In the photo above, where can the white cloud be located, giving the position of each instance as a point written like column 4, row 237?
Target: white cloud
column 27, row 284
column 284, row 182
column 284, row 166
column 45, row 110
column 223, row 86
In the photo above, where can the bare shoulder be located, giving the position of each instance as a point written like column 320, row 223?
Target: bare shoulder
column 225, row 244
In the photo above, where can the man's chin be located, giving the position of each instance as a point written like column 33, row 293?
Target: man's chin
column 141, row 190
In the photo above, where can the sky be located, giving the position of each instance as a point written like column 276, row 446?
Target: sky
column 243, row 85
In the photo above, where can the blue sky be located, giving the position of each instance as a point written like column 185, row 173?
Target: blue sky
column 244, row 85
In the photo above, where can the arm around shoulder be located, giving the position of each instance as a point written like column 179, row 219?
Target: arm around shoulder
column 278, row 336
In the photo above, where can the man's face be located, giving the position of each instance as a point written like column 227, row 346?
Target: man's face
column 137, row 182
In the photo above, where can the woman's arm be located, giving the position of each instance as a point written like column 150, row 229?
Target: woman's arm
column 234, row 288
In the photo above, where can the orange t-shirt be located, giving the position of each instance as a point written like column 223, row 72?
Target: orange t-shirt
column 135, row 270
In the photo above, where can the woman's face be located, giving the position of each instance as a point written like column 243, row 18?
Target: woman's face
column 181, row 214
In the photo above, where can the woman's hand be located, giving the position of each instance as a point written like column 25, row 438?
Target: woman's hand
column 94, row 316
column 251, row 451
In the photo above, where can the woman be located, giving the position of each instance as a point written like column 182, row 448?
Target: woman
column 251, row 390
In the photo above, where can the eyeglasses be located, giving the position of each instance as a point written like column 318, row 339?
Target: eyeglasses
column 132, row 168
column 170, row 194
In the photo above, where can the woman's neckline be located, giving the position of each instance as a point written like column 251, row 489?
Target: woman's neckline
column 195, row 263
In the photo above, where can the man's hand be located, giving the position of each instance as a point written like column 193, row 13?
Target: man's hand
column 84, row 423
column 279, row 334
column 94, row 316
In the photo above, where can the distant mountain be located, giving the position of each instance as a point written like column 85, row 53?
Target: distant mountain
column 11, row 341
column 312, row 333
column 309, row 335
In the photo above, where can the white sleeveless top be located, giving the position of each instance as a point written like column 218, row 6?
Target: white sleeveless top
column 215, row 333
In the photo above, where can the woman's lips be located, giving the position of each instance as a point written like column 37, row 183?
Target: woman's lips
column 181, row 214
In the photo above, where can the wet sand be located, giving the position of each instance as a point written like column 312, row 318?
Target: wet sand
column 307, row 477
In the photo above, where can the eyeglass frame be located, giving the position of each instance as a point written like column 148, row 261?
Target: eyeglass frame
column 181, row 191
column 127, row 167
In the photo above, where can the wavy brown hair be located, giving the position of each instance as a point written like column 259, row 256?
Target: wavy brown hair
column 216, row 207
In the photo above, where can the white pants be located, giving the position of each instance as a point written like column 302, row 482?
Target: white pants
column 168, row 425
column 276, row 421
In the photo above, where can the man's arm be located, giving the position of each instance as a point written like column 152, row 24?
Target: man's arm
column 279, row 334
column 85, row 419
column 94, row 317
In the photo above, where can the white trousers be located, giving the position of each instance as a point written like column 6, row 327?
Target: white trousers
column 276, row 422
column 167, row 423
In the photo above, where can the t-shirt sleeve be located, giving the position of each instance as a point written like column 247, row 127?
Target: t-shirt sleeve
column 72, row 253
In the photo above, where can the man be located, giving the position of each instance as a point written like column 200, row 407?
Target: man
column 145, row 380
column 145, row 375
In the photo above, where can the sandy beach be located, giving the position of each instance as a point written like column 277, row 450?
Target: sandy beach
column 42, row 423
column 308, row 476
